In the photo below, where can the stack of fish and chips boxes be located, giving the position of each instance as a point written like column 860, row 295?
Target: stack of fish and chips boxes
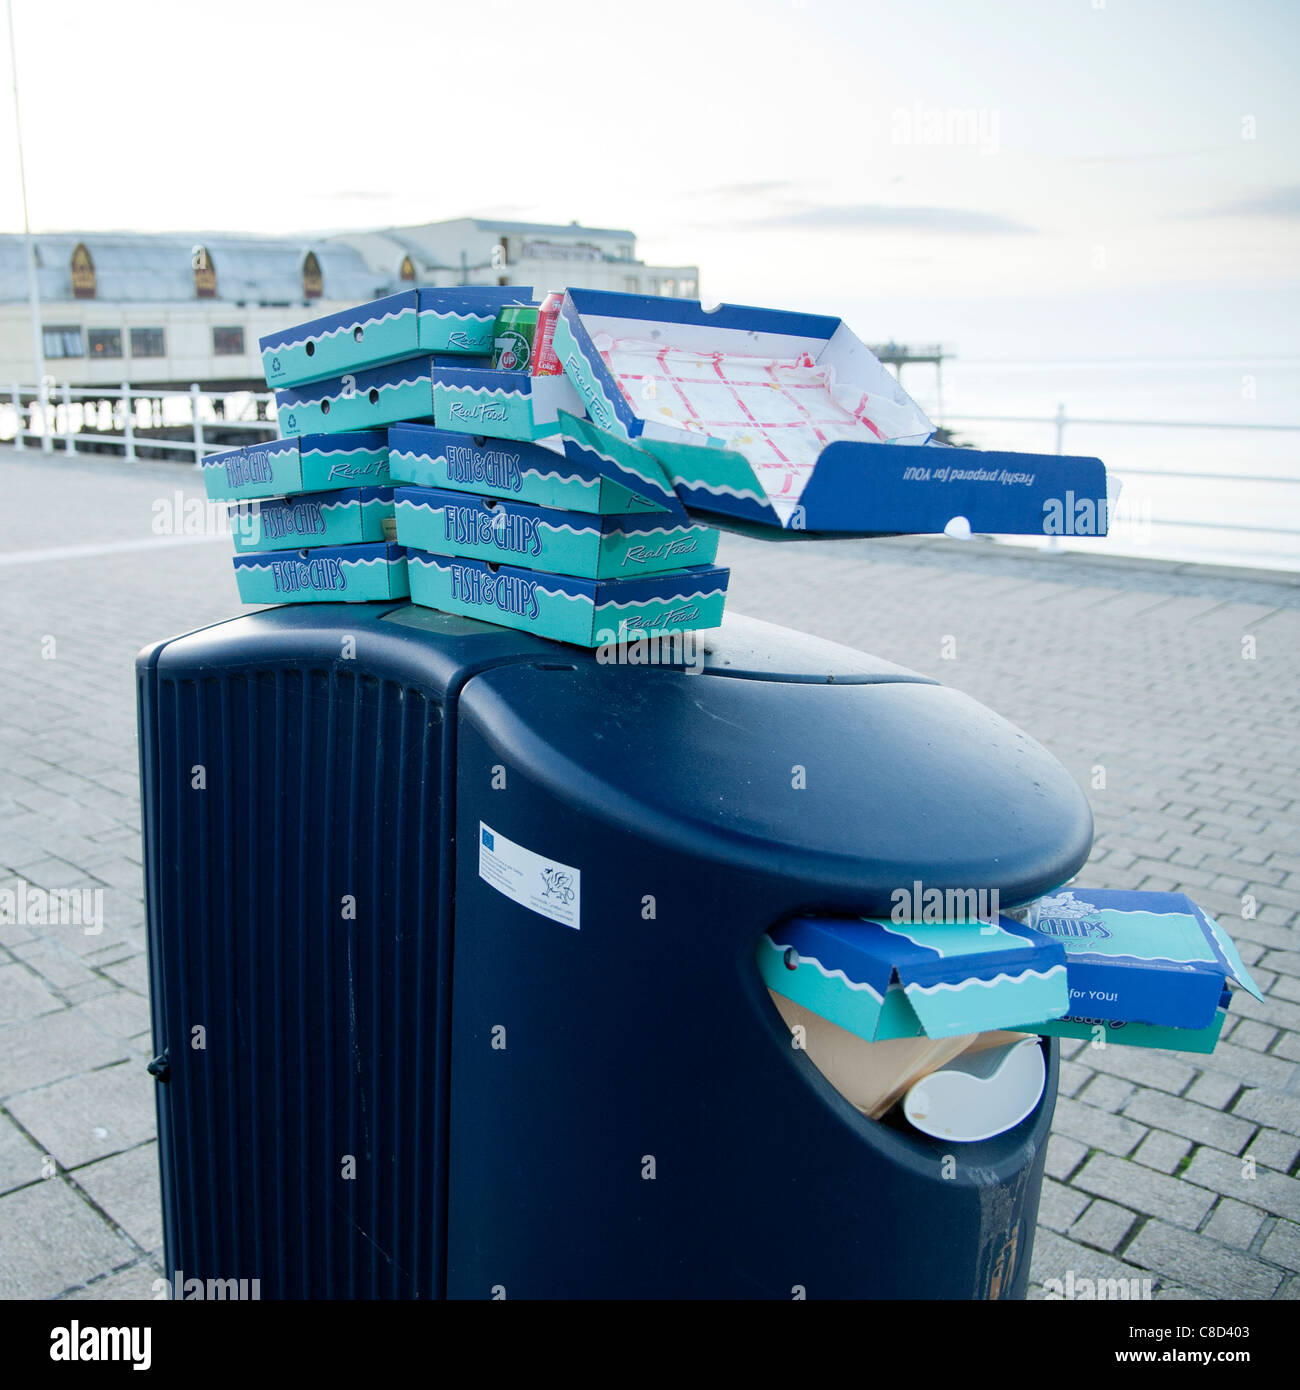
column 313, row 510
column 500, row 524
column 490, row 519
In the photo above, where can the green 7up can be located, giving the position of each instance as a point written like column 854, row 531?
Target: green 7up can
column 512, row 339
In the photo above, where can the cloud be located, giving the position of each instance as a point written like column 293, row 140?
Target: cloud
column 835, row 217
column 503, row 210
column 1277, row 202
column 355, row 195
column 1147, row 157
column 746, row 190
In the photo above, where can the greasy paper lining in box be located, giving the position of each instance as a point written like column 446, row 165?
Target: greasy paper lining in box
column 779, row 413
column 787, row 420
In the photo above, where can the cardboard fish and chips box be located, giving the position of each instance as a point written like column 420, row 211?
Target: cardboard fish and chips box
column 1110, row 1030
column 348, row 516
column 307, row 463
column 572, row 543
column 461, row 394
column 475, row 399
column 1140, row 968
column 781, row 420
column 585, row 612
column 369, row 399
column 459, row 319
column 326, row 574
column 1146, row 969
column 540, row 474
column 882, row 980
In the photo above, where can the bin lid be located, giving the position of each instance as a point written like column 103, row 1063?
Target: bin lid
column 832, row 792
column 883, row 979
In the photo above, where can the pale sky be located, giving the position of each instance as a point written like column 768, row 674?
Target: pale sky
column 1099, row 176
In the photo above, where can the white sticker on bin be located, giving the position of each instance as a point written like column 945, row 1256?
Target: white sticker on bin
column 534, row 882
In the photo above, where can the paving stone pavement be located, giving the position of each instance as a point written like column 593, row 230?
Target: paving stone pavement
column 1168, row 691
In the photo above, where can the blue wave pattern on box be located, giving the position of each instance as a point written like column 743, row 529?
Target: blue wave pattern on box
column 346, row 516
column 474, row 399
column 882, row 979
column 506, row 468
column 461, row 320
column 359, row 400
column 344, row 573
column 620, row 460
column 485, row 402
column 455, row 320
column 310, row 463
column 543, row 538
column 1141, row 957
column 601, row 399
column 586, row 612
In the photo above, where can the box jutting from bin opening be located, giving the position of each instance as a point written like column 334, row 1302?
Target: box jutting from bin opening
column 1151, row 967
column 882, row 979
column 1147, row 969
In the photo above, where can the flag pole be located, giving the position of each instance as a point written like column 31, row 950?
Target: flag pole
column 33, row 292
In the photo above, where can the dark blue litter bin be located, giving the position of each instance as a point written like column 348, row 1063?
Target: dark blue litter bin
column 452, row 947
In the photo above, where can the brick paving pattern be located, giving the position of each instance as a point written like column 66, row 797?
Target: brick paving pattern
column 1170, row 692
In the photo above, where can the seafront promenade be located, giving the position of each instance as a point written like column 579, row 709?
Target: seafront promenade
column 1168, row 691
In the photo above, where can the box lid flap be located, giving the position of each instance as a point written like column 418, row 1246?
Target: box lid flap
column 956, row 977
column 609, row 456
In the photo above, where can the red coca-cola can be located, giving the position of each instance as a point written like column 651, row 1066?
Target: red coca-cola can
column 545, row 362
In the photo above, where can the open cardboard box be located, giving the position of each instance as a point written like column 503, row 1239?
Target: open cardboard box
column 786, row 420
column 575, row 543
column 1139, row 968
column 883, row 980
column 307, row 463
column 1145, row 969
column 455, row 320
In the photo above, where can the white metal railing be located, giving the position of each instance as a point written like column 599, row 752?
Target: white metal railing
column 59, row 411
column 50, row 415
column 1061, row 419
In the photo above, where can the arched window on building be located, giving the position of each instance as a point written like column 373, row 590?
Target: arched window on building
column 83, row 273
column 407, row 271
column 312, row 284
column 205, row 273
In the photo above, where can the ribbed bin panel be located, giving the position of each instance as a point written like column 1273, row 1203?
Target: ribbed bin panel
column 295, row 945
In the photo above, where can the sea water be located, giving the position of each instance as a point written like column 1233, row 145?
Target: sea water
column 1228, row 392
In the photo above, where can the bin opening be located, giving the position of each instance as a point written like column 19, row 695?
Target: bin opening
column 880, row 1006
column 885, row 979
column 874, row 1076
